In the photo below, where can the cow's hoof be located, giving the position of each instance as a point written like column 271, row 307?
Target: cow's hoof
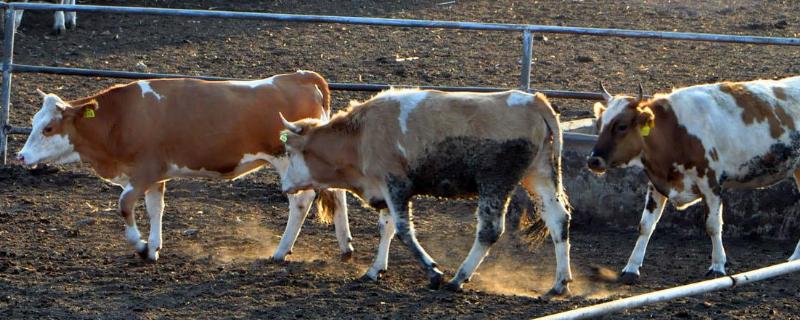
column 59, row 31
column 436, row 281
column 629, row 278
column 71, row 24
column 557, row 292
column 346, row 256
column 714, row 274
column 452, row 286
column 374, row 275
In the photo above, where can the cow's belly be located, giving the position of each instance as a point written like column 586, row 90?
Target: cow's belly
column 463, row 166
column 247, row 164
column 764, row 170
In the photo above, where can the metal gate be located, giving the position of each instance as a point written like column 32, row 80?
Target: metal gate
column 527, row 31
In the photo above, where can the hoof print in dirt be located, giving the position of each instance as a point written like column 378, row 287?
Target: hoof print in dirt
column 629, row 278
column 711, row 274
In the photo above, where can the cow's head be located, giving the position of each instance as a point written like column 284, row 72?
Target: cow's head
column 319, row 156
column 621, row 125
column 49, row 141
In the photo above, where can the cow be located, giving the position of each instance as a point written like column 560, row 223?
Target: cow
column 61, row 22
column 144, row 133
column 696, row 141
column 407, row 142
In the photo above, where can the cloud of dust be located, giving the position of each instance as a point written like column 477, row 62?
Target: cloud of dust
column 511, row 268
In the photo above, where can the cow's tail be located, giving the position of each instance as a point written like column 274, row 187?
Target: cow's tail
column 316, row 79
column 551, row 119
column 531, row 225
column 327, row 202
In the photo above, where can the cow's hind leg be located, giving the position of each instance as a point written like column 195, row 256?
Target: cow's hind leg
column 154, row 202
column 127, row 202
column 556, row 217
column 714, row 230
column 381, row 263
column 397, row 194
column 653, row 207
column 491, row 224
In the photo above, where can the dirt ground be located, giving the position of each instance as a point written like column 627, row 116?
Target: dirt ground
column 63, row 253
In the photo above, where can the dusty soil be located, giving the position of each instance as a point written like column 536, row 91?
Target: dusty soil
column 63, row 253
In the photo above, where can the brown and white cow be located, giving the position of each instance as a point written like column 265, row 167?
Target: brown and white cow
column 403, row 143
column 696, row 141
column 62, row 20
column 144, row 133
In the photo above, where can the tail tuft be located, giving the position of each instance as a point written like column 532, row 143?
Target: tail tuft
column 326, row 203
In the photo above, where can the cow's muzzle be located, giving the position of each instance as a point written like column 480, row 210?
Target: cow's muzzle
column 596, row 164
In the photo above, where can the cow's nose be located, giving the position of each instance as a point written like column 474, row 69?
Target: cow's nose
column 21, row 158
column 596, row 164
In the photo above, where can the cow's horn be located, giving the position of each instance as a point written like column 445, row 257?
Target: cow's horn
column 606, row 94
column 641, row 92
column 291, row 126
column 324, row 117
column 41, row 93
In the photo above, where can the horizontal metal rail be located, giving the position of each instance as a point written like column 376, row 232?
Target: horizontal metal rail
column 23, row 68
column 411, row 23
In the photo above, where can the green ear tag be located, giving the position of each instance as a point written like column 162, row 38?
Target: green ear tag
column 284, row 136
column 88, row 113
column 646, row 131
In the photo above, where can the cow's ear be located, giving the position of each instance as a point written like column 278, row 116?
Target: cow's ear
column 88, row 110
column 599, row 108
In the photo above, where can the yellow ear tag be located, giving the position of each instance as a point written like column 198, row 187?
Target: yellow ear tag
column 88, row 113
column 284, row 136
column 646, row 130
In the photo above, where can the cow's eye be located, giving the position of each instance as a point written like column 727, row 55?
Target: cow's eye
column 47, row 129
column 622, row 127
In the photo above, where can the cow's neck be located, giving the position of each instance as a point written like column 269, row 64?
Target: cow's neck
column 93, row 141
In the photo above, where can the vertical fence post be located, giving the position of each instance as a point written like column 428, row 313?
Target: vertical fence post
column 5, row 94
column 527, row 55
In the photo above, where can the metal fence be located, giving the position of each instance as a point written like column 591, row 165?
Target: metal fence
column 527, row 31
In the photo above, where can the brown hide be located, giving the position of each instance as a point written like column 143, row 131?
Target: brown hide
column 668, row 145
column 208, row 125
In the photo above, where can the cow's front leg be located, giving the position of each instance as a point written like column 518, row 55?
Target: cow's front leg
column 653, row 208
column 154, row 202
column 58, row 24
column 127, row 202
column 491, row 224
column 381, row 263
column 70, row 16
column 342, row 224
column 299, row 205
column 397, row 193
column 714, row 230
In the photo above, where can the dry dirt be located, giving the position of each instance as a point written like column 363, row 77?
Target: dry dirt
column 63, row 254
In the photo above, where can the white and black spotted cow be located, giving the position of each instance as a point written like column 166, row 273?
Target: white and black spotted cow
column 696, row 141
column 403, row 143
column 63, row 20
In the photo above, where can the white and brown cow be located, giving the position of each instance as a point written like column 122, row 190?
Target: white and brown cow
column 403, row 143
column 62, row 20
column 144, row 133
column 696, row 141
